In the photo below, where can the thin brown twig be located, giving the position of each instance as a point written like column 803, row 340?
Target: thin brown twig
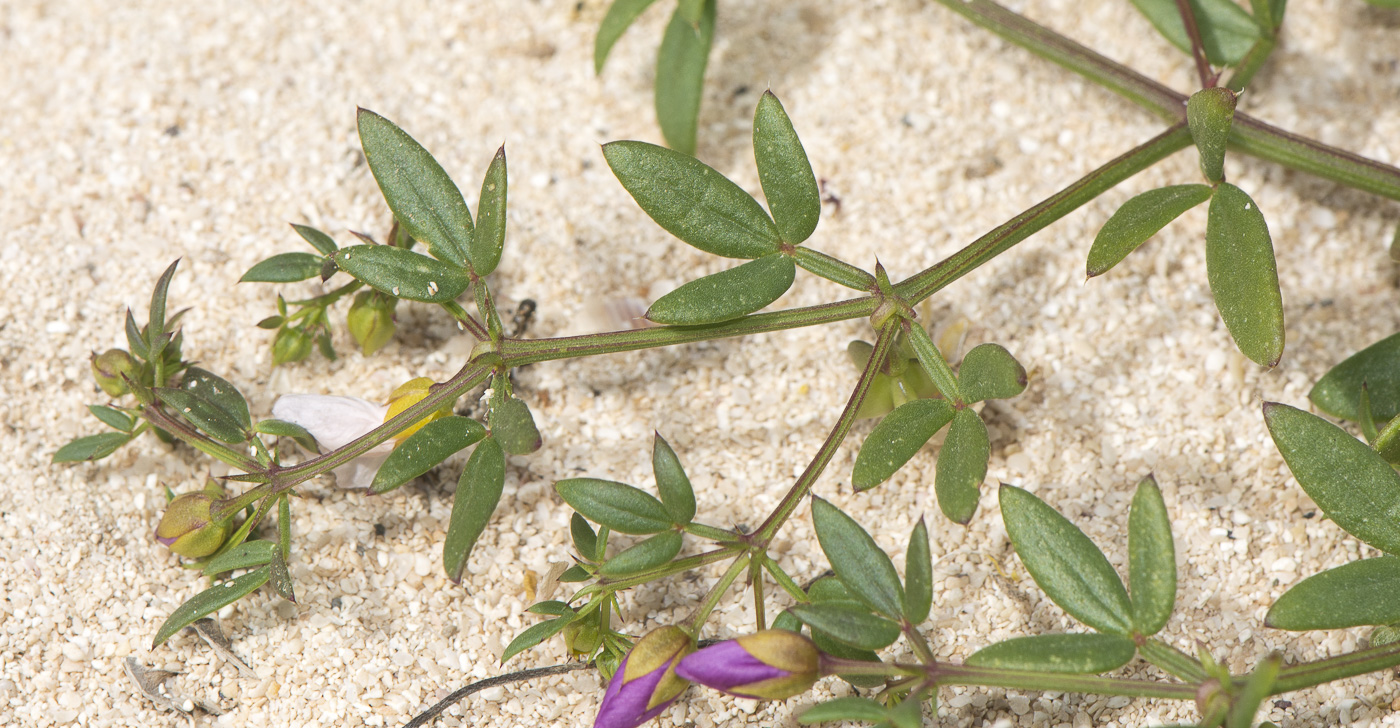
column 459, row 694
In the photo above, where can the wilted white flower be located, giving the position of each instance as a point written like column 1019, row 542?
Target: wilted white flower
column 336, row 421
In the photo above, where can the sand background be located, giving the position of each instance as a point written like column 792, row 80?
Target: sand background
column 133, row 134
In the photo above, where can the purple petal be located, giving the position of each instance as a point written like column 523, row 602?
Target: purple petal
column 726, row 666
column 625, row 705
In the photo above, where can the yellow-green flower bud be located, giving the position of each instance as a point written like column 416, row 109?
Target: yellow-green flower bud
column 186, row 527
column 108, row 368
column 291, row 345
column 583, row 637
column 371, row 320
column 408, row 394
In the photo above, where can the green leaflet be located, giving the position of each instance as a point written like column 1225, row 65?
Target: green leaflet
column 1210, row 113
column 1351, row 595
column 672, row 483
column 858, row 562
column 209, row 601
column 403, row 273
column 478, row 491
column 644, row 555
column 1065, row 563
column 848, row 623
column 424, row 199
column 680, row 73
column 489, row 238
column 620, row 507
column 620, row 16
column 918, row 575
column 990, row 372
column 1139, row 219
column 1069, row 653
column 962, row 466
column 1338, row 393
column 1352, row 484
column 284, row 268
column 692, row 201
column 784, row 172
column 728, row 294
column 1151, row 559
column 1227, row 31
column 897, row 438
column 1243, row 276
column 423, row 450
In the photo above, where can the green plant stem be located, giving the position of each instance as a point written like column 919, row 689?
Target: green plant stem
column 1248, row 134
column 1006, row 235
column 1173, row 661
column 176, row 426
column 1352, row 664
column 784, row 581
column 717, row 591
column 834, row 269
column 329, row 297
column 1198, row 48
column 756, row 581
column 948, row 674
column 519, row 352
column 883, row 343
column 916, row 641
column 670, row 569
column 712, row 533
column 466, row 320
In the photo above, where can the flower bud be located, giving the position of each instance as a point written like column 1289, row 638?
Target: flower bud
column 108, row 368
column 408, row 394
column 186, row 528
column 645, row 683
column 583, row 637
column 770, row 665
column 371, row 320
column 291, row 345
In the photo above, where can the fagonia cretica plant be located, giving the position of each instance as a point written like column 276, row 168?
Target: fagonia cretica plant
column 859, row 621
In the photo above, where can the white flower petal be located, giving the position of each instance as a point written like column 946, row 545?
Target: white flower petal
column 360, row 472
column 333, row 421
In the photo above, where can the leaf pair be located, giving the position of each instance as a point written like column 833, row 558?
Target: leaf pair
column 625, row 509
column 708, row 211
column 1358, row 490
column 680, row 62
column 1076, row 575
column 430, row 208
column 988, row 371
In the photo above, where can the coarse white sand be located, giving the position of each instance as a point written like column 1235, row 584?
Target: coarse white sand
column 133, row 134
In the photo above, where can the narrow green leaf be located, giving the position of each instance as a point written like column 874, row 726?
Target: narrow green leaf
column 489, row 239
column 849, row 624
column 672, row 483
column 1065, row 563
column 860, row 564
column 864, row 710
column 209, row 601
column 1139, row 219
column 91, row 447
column 1209, row 113
column 990, row 372
column 533, row 636
column 112, row 417
column 691, row 10
column 896, row 439
column 478, row 492
column 692, row 201
column 424, row 199
column 1338, row 392
column 575, row 574
column 788, row 621
column 830, row 589
column 1227, row 31
column 1350, row 483
column 784, row 171
column 620, row 507
column 1243, row 276
column 1366, row 419
column 284, row 526
column 219, row 392
column 1387, row 441
column 1256, row 688
column 243, row 556
column 200, row 412
column 933, row 363
column 1352, row 595
column 680, row 75
column 156, row 325
column 620, row 16
column 403, row 273
column 728, row 294
column 585, row 540
column 1151, row 559
column 284, row 268
column 279, row 428
column 918, row 575
column 319, row 240
column 644, row 555
column 135, row 339
column 1072, row 653
column 281, row 576
column 513, row 425
column 962, row 466
column 423, row 450
column 551, row 608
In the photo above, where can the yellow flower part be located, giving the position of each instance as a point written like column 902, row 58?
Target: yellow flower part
column 408, row 394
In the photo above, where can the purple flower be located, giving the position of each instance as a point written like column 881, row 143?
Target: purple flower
column 770, row 665
column 645, row 683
